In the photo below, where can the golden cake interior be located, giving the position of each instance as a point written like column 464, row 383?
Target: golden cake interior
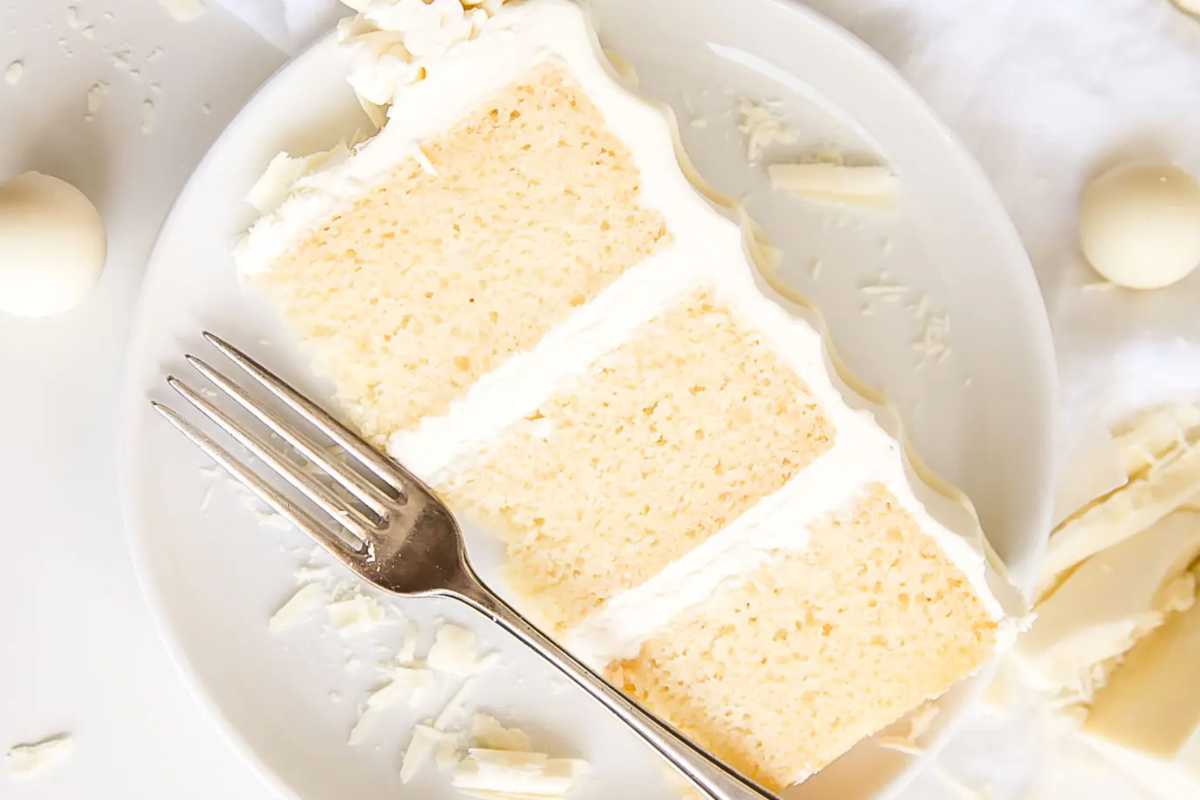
column 663, row 443
column 785, row 671
column 433, row 278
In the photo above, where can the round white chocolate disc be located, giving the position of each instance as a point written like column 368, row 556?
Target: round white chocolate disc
column 52, row 245
column 1139, row 225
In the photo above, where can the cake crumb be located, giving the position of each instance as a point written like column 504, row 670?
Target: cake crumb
column 13, row 73
column 31, row 759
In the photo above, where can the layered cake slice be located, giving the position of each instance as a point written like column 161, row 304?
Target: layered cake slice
column 514, row 287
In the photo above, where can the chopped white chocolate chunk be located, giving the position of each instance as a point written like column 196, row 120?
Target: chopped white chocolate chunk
column 307, row 573
column 26, row 761
column 871, row 185
column 1151, row 705
column 13, row 73
column 1155, row 433
column 420, row 747
column 408, row 684
column 355, row 614
column 506, row 773
column 486, row 731
column 454, row 707
column 456, row 651
column 762, row 127
column 1113, row 599
column 284, row 173
column 307, row 599
column 1130, row 509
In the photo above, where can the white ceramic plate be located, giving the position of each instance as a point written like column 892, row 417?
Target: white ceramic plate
column 982, row 417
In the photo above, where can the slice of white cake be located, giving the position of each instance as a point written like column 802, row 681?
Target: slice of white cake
column 515, row 287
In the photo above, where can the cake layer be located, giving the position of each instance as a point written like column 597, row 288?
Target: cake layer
column 661, row 444
column 451, row 263
column 782, row 671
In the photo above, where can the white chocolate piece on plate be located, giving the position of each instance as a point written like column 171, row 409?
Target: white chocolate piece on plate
column 510, row 773
column 1112, row 600
column 1139, row 225
column 26, row 761
column 1150, row 709
column 871, row 185
column 1154, row 433
column 1127, row 511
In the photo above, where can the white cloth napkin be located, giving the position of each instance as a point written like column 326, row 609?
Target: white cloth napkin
column 289, row 25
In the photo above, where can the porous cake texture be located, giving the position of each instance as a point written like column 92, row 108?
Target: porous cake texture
column 781, row 673
column 661, row 444
column 522, row 212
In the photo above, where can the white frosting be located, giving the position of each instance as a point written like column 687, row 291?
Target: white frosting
column 706, row 251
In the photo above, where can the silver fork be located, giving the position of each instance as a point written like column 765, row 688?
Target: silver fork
column 389, row 528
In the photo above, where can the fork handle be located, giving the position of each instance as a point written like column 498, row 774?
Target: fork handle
column 709, row 775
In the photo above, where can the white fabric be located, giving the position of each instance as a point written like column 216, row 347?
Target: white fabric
column 1047, row 95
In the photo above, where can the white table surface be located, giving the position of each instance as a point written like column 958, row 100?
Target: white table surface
column 79, row 651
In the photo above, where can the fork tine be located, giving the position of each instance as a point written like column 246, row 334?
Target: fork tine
column 371, row 496
column 350, row 441
column 337, row 544
column 343, row 513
